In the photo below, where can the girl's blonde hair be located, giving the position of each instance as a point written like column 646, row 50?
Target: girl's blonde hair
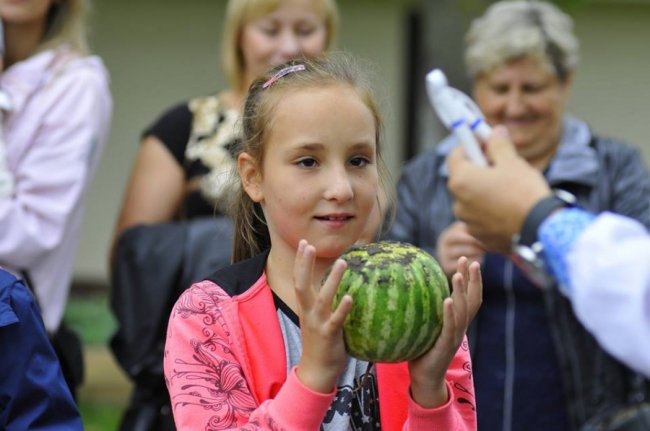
column 241, row 12
column 251, row 232
column 523, row 28
column 66, row 24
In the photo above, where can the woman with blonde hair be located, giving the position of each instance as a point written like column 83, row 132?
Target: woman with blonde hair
column 55, row 128
column 178, row 195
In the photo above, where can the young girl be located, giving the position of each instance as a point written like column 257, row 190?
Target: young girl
column 257, row 345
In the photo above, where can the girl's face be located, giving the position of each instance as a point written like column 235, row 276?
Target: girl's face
column 319, row 179
column 294, row 29
column 529, row 99
column 24, row 11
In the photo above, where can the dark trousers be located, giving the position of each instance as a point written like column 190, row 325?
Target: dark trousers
column 149, row 409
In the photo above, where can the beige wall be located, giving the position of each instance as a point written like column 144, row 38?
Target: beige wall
column 612, row 83
column 160, row 52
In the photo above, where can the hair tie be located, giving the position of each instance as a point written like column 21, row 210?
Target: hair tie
column 282, row 72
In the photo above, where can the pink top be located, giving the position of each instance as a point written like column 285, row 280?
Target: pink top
column 55, row 134
column 225, row 367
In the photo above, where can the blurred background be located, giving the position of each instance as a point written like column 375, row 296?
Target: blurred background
column 160, row 52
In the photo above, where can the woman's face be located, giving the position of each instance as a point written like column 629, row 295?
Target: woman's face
column 24, row 11
column 294, row 29
column 529, row 99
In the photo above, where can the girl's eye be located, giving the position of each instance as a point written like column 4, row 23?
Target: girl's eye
column 307, row 162
column 359, row 162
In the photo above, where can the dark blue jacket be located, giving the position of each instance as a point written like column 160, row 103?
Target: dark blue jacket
column 33, row 392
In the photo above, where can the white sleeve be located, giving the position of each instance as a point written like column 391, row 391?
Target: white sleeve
column 609, row 271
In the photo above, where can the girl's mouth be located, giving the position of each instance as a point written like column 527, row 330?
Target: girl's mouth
column 335, row 218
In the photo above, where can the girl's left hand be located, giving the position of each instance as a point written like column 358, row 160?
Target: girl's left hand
column 323, row 350
column 428, row 387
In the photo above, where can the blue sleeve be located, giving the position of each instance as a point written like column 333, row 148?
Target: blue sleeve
column 558, row 233
column 33, row 392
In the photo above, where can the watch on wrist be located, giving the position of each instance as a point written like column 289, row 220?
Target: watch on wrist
column 527, row 250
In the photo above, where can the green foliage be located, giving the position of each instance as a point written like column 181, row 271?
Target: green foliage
column 100, row 401
column 90, row 316
column 99, row 417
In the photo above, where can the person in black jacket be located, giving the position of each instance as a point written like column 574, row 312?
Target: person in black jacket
column 535, row 366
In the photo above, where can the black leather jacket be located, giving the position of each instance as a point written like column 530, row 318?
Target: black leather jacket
column 604, row 175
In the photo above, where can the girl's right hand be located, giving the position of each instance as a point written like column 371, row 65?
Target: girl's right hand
column 323, row 350
column 428, row 387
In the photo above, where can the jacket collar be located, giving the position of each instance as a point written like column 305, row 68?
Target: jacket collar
column 575, row 160
column 238, row 278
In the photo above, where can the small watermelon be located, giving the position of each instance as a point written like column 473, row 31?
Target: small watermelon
column 397, row 291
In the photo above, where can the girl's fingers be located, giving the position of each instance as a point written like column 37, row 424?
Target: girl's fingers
column 335, row 318
column 462, row 267
column 302, row 274
column 459, row 297
column 341, row 312
column 475, row 290
column 328, row 290
column 447, row 336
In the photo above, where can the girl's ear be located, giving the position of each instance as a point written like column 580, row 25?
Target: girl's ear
column 251, row 177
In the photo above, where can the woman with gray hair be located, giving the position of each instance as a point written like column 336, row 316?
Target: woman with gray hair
column 535, row 366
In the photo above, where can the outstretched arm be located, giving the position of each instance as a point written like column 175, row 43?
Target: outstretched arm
column 602, row 266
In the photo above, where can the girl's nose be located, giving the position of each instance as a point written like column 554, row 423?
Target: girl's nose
column 339, row 187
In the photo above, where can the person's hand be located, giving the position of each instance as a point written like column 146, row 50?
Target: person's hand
column 454, row 242
column 428, row 387
column 323, row 349
column 493, row 201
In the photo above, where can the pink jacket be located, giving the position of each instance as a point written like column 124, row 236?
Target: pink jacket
column 55, row 134
column 225, row 367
